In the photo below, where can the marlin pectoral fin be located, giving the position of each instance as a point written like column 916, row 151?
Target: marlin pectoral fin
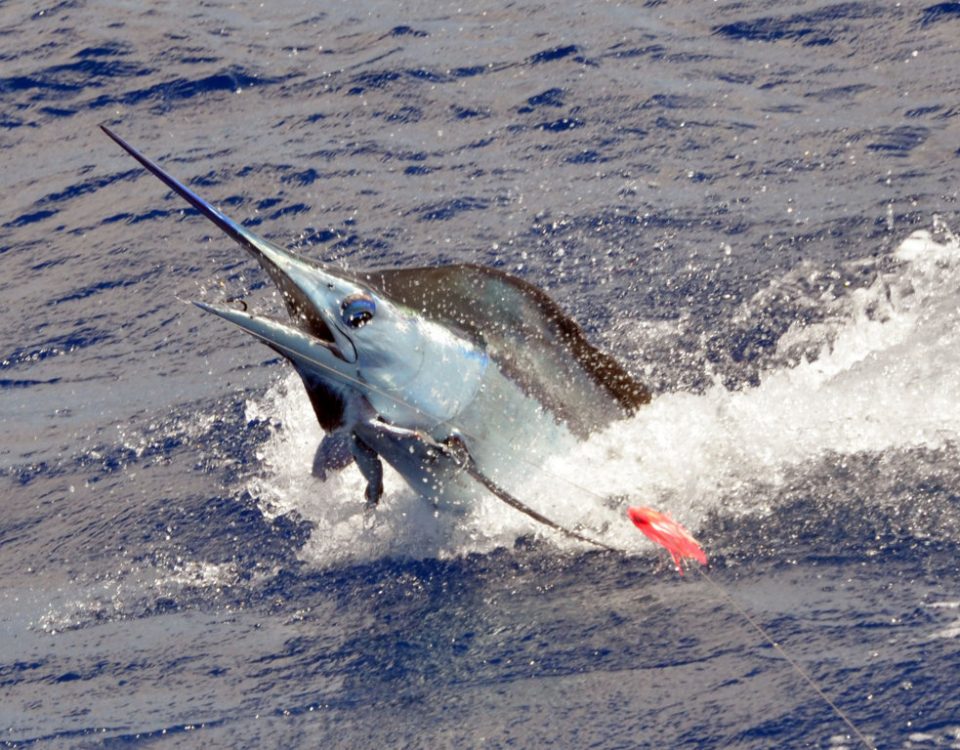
column 334, row 453
column 454, row 449
column 423, row 462
column 372, row 469
column 415, row 439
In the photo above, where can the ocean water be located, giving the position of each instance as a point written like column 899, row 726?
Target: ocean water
column 752, row 205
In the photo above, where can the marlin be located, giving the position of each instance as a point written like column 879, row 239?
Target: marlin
column 463, row 378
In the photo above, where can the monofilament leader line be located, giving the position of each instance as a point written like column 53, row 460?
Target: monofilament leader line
column 507, row 498
column 787, row 658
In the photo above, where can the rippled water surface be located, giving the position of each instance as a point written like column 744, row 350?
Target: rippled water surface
column 749, row 204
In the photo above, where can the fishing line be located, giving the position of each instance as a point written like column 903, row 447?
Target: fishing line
column 471, row 468
column 786, row 657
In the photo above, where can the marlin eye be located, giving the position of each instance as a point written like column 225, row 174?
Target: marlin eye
column 357, row 310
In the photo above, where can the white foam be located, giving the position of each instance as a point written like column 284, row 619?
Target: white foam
column 886, row 377
column 952, row 629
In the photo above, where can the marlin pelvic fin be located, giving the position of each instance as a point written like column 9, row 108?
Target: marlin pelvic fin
column 370, row 465
column 333, row 453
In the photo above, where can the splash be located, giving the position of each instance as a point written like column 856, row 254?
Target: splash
column 127, row 594
column 404, row 525
column 883, row 376
column 951, row 630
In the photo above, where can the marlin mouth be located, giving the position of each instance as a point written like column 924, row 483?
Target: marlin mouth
column 322, row 334
column 303, row 313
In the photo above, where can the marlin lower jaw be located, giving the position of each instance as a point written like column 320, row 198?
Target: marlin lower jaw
column 308, row 353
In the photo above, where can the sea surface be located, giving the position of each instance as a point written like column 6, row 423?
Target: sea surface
column 751, row 205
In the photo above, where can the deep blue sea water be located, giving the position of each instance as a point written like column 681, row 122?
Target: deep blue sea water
column 749, row 204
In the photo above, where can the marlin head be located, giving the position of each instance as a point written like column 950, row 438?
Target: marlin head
column 376, row 348
column 344, row 337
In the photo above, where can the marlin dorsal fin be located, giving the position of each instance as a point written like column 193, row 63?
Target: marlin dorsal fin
column 535, row 342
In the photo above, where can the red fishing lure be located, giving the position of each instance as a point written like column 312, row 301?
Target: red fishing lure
column 665, row 531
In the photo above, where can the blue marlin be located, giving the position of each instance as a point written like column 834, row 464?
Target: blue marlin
column 463, row 378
